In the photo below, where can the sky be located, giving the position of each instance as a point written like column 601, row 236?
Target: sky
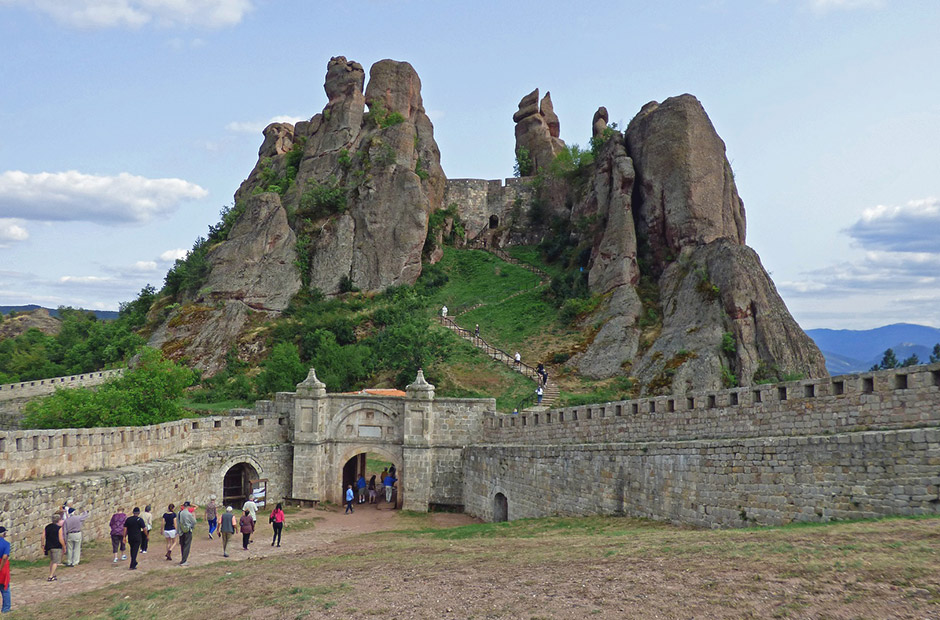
column 126, row 125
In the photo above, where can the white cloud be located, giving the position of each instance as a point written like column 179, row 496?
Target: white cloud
column 172, row 255
column 137, row 13
column 144, row 266
column 914, row 227
column 824, row 6
column 11, row 230
column 73, row 196
column 256, row 127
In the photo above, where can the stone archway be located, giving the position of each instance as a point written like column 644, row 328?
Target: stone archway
column 494, row 222
column 235, row 483
column 500, row 508
column 349, row 467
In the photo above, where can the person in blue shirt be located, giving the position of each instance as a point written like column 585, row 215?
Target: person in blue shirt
column 389, row 482
column 361, row 487
column 349, row 499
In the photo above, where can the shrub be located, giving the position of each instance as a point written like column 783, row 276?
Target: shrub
column 728, row 344
column 523, row 165
column 322, row 199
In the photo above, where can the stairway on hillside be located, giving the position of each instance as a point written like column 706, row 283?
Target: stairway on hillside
column 550, row 391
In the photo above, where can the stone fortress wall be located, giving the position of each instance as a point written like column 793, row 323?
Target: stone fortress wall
column 478, row 199
column 853, row 446
column 41, row 387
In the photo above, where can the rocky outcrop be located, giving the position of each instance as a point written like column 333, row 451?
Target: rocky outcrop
column 685, row 188
column 13, row 326
column 252, row 271
column 537, row 130
column 703, row 313
column 341, row 200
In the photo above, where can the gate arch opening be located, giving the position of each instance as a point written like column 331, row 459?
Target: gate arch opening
column 500, row 508
column 236, row 485
column 494, row 221
column 372, row 464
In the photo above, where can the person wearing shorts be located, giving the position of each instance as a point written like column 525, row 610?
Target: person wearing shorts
column 169, row 530
column 53, row 542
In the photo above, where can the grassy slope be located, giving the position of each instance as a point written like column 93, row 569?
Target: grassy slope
column 603, row 567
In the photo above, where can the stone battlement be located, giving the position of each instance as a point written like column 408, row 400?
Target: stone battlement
column 888, row 399
column 42, row 387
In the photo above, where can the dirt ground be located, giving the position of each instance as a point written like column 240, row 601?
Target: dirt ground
column 97, row 569
column 405, row 566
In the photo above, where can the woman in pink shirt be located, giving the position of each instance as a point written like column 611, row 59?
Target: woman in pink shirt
column 277, row 520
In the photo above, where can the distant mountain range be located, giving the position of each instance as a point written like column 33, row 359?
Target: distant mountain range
column 105, row 315
column 849, row 350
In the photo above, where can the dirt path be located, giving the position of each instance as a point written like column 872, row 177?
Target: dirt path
column 97, row 569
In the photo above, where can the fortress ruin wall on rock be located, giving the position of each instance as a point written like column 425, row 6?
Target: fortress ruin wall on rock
column 853, row 446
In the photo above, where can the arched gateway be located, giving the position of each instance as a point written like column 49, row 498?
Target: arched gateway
column 424, row 437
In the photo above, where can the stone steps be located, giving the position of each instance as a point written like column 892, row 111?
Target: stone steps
column 550, row 390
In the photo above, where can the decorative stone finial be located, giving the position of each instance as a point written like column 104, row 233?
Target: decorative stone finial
column 311, row 386
column 420, row 388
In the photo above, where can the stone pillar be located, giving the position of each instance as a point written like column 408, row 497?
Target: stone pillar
column 416, row 479
column 310, row 412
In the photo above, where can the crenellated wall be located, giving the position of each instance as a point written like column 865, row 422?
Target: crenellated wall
column 477, row 200
column 41, row 387
column 853, row 446
column 28, row 455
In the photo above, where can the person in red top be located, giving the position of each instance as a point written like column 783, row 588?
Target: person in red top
column 4, row 570
column 277, row 520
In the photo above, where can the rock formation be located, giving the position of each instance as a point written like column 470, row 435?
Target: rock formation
column 13, row 326
column 537, row 130
column 341, row 200
column 703, row 313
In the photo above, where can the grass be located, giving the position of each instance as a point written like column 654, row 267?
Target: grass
column 476, row 277
column 556, row 568
column 469, row 373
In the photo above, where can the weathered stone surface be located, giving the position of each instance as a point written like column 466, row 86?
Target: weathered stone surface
column 255, row 265
column 685, row 188
column 599, row 123
column 712, row 290
column 537, row 129
column 278, row 140
column 253, row 271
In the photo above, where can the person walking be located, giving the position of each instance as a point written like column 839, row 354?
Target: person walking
column 212, row 516
column 517, row 360
column 389, row 483
column 252, row 509
column 277, row 521
column 247, row 525
column 135, row 531
column 169, row 530
column 444, row 312
column 117, row 534
column 226, row 529
column 73, row 536
column 476, row 332
column 349, row 499
column 53, row 542
column 538, row 395
column 148, row 520
column 186, row 524
column 372, row 499
column 4, row 571
column 361, row 488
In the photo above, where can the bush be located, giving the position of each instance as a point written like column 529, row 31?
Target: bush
column 523, row 165
column 322, row 199
column 282, row 371
column 148, row 393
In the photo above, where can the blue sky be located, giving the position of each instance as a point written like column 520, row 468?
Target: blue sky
column 126, row 125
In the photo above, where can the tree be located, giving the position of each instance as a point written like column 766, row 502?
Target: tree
column 282, row 371
column 913, row 360
column 935, row 356
column 888, row 361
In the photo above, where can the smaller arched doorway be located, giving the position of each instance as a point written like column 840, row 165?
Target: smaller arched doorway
column 236, row 485
column 370, row 464
column 494, row 221
column 500, row 508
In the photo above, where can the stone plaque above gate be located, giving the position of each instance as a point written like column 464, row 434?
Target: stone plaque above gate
column 370, row 431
